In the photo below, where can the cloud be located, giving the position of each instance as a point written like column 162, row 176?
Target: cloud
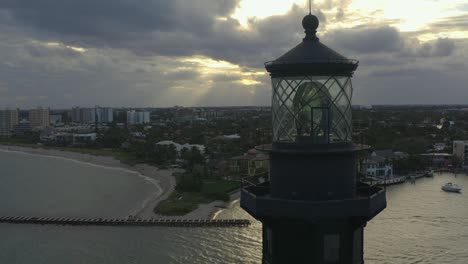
column 37, row 49
column 158, row 27
column 451, row 23
column 386, row 39
column 162, row 53
column 3, row 87
column 438, row 48
column 368, row 39
column 116, row 18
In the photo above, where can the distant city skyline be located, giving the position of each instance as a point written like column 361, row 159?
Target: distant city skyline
column 211, row 53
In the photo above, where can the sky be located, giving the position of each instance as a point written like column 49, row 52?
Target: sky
column 159, row 53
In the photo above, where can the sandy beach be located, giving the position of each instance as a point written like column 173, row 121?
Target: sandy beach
column 164, row 181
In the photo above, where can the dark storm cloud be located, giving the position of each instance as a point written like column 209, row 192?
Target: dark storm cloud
column 386, row 39
column 409, row 86
column 161, row 27
column 114, row 19
column 134, row 50
column 368, row 40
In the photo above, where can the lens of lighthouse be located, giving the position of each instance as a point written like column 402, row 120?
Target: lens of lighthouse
column 312, row 109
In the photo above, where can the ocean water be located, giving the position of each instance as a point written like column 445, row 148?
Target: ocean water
column 421, row 224
column 33, row 185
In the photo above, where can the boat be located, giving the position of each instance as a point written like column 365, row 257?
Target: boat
column 451, row 187
column 416, row 175
column 429, row 173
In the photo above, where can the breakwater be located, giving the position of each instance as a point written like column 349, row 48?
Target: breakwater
column 126, row 222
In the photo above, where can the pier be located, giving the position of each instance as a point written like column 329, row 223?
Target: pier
column 126, row 222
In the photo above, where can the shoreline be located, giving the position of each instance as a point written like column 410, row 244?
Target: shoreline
column 233, row 198
column 163, row 180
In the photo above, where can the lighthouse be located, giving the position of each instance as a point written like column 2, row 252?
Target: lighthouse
column 313, row 207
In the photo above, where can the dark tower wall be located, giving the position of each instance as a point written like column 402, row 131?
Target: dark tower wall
column 323, row 242
column 313, row 175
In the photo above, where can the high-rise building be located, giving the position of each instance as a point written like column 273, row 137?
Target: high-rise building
column 460, row 150
column 137, row 118
column 75, row 115
column 103, row 114
column 8, row 120
column 88, row 115
column 82, row 115
column 39, row 117
column 313, row 206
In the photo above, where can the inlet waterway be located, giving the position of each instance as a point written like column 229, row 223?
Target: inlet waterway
column 421, row 224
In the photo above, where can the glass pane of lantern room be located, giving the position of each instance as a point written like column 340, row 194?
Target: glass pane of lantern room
column 320, row 125
column 304, row 110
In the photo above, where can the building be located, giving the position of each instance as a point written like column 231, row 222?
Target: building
column 378, row 166
column 89, row 115
column 23, row 128
column 8, row 120
column 80, row 115
column 179, row 147
column 438, row 160
column 137, row 118
column 251, row 163
column 313, row 208
column 39, row 117
column 440, row 146
column 460, row 150
column 211, row 113
column 55, row 119
column 66, row 139
column 63, row 139
column 103, row 115
column 387, row 154
column 84, row 139
column 183, row 114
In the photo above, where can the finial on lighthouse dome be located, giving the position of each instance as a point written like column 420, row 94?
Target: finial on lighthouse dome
column 310, row 24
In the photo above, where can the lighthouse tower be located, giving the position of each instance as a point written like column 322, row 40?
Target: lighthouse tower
column 313, row 207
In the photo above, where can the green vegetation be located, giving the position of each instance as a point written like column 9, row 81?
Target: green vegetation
column 410, row 164
column 181, row 203
column 196, row 185
column 410, row 129
column 219, row 190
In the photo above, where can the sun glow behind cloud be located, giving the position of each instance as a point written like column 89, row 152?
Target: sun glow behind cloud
column 211, row 65
column 212, row 74
column 405, row 15
column 58, row 45
column 262, row 8
column 411, row 15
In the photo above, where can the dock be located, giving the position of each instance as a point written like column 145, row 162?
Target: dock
column 125, row 222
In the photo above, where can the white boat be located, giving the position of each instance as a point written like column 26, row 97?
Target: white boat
column 451, row 187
